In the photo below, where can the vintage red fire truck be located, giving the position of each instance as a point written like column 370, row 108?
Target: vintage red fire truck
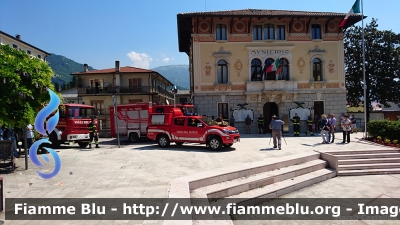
column 72, row 125
column 132, row 119
column 179, row 128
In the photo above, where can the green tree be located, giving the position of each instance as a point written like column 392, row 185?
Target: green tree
column 73, row 82
column 23, row 84
column 382, row 65
column 57, row 86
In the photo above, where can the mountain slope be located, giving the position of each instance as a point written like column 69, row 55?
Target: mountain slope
column 177, row 74
column 63, row 67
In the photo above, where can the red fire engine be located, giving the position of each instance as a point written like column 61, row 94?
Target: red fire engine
column 132, row 119
column 165, row 128
column 72, row 125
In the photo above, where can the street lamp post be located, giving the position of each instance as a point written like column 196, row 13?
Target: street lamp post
column 115, row 117
column 174, row 91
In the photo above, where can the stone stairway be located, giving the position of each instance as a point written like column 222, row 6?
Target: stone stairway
column 249, row 184
column 364, row 162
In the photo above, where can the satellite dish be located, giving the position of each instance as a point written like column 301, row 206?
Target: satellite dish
column 167, row 102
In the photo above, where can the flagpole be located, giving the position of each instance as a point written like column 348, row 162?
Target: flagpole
column 365, row 81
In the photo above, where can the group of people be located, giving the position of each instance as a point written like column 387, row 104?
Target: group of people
column 7, row 133
column 327, row 126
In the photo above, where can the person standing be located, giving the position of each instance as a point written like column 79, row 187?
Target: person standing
column 332, row 122
column 310, row 125
column 8, row 134
column 325, row 127
column 248, row 124
column 29, row 135
column 353, row 124
column 219, row 119
column 296, row 125
column 232, row 121
column 316, row 123
column 276, row 127
column 260, row 122
column 346, row 127
column 93, row 134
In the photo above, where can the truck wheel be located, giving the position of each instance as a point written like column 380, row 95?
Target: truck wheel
column 179, row 143
column 215, row 143
column 55, row 143
column 133, row 137
column 163, row 141
column 83, row 144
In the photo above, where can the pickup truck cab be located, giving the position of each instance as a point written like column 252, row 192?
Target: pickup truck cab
column 175, row 127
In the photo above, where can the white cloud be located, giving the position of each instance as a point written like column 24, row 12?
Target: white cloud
column 166, row 59
column 141, row 60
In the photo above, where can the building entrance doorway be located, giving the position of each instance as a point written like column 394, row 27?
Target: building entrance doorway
column 270, row 109
column 318, row 108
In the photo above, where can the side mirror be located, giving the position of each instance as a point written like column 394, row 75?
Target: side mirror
column 199, row 124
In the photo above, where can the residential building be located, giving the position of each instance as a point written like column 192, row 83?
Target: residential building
column 70, row 95
column 128, row 84
column 16, row 42
column 230, row 51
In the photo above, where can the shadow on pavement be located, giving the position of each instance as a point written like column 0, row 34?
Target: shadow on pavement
column 187, row 148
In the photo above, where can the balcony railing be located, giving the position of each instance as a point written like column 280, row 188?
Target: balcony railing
column 124, row 90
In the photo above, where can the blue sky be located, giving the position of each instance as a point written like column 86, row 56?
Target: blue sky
column 142, row 33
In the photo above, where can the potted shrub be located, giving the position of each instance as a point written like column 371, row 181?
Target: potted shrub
column 386, row 141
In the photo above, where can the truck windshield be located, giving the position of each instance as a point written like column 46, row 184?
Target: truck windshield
column 209, row 121
column 78, row 112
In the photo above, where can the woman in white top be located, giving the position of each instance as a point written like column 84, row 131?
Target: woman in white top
column 346, row 127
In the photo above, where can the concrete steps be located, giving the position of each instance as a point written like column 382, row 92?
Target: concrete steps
column 369, row 160
column 369, row 172
column 274, row 190
column 369, row 156
column 248, row 183
column 364, row 162
column 249, row 186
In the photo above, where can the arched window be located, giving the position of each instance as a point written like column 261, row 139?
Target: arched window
column 256, row 73
column 317, row 69
column 283, row 70
column 270, row 75
column 222, row 72
column 220, row 32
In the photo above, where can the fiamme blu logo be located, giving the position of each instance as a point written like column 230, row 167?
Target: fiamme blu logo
column 45, row 131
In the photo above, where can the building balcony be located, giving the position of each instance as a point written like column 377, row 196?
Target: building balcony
column 124, row 90
column 270, row 85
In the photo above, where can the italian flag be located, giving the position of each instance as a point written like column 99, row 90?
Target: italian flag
column 355, row 9
column 273, row 67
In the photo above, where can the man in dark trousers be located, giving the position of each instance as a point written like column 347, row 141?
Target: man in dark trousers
column 296, row 125
column 260, row 122
column 310, row 125
column 276, row 127
column 93, row 134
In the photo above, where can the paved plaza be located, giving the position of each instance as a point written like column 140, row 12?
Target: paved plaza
column 144, row 170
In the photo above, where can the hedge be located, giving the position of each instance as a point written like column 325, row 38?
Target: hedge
column 384, row 128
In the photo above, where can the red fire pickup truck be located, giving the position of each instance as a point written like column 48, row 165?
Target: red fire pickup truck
column 175, row 127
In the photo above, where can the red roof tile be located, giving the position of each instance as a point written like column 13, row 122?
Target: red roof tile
column 263, row 12
column 125, row 69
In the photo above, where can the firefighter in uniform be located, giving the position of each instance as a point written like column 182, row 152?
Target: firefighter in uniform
column 310, row 125
column 260, row 122
column 93, row 134
column 296, row 125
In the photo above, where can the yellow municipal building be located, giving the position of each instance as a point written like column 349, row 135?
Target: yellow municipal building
column 229, row 53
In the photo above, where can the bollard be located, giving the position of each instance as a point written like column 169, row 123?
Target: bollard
column 1, row 195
